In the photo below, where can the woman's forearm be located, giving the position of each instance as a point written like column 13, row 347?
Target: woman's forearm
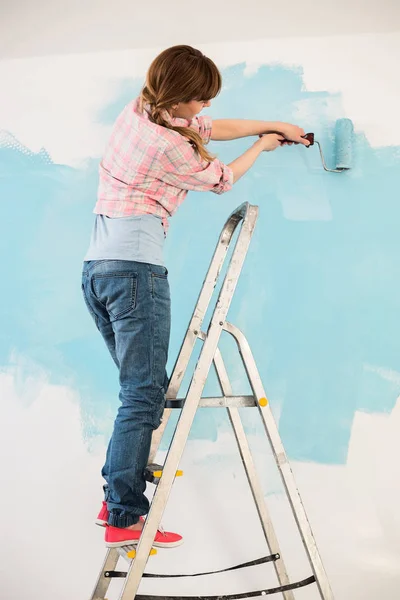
column 243, row 163
column 231, row 129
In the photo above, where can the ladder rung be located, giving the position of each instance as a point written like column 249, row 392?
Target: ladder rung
column 216, row 402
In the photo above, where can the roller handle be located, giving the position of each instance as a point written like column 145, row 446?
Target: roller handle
column 310, row 138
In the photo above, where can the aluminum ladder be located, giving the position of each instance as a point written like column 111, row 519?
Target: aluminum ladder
column 246, row 216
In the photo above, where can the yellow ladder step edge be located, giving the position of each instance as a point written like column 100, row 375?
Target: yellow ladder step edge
column 159, row 473
column 132, row 553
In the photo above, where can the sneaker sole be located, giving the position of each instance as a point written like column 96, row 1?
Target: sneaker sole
column 168, row 545
column 135, row 543
column 100, row 522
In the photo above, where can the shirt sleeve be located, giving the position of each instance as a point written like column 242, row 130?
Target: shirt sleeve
column 185, row 171
column 203, row 126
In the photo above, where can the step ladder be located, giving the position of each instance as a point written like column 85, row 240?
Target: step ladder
column 246, row 216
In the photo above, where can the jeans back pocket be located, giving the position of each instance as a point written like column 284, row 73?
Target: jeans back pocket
column 116, row 292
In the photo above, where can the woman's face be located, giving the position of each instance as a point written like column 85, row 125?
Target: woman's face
column 188, row 110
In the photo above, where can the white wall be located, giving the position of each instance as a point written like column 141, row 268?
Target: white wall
column 50, row 480
column 56, row 27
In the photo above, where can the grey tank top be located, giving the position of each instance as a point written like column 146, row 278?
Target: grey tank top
column 137, row 237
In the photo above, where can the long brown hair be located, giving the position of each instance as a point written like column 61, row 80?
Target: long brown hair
column 180, row 74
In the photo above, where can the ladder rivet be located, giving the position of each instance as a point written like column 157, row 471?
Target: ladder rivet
column 221, row 323
column 196, row 332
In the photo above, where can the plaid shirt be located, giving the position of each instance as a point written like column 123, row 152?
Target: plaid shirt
column 148, row 168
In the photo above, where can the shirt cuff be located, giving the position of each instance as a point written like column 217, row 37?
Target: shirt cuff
column 226, row 182
column 205, row 128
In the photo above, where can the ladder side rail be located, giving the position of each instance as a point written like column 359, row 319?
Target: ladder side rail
column 252, row 477
column 243, row 213
column 185, row 421
column 283, row 464
column 102, row 583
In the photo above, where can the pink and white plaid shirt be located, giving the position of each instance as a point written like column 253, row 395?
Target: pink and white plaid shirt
column 148, row 168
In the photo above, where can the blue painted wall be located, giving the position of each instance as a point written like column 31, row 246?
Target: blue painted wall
column 317, row 298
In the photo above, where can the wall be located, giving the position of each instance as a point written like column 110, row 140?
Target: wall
column 49, row 27
column 318, row 301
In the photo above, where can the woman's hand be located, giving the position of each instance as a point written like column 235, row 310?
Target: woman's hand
column 271, row 141
column 266, row 143
column 293, row 133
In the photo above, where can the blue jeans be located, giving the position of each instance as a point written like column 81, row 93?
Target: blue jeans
column 130, row 304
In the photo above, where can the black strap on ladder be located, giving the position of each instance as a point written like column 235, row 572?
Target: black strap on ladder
column 251, row 563
column 268, row 592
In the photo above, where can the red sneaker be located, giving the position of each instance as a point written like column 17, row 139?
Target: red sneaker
column 116, row 537
column 102, row 517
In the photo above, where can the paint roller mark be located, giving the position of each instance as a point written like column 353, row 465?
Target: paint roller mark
column 318, row 294
column 45, row 328
column 312, row 205
column 325, row 250
column 386, row 374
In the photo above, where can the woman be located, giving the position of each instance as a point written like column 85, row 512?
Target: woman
column 156, row 154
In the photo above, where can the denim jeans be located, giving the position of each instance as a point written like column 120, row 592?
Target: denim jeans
column 130, row 304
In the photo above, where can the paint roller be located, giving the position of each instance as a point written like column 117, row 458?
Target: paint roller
column 344, row 146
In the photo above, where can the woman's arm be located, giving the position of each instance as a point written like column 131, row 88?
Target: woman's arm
column 242, row 164
column 231, row 129
column 214, row 176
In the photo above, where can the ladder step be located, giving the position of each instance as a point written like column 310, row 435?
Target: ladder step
column 218, row 402
column 129, row 552
column 266, row 592
column 153, row 473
